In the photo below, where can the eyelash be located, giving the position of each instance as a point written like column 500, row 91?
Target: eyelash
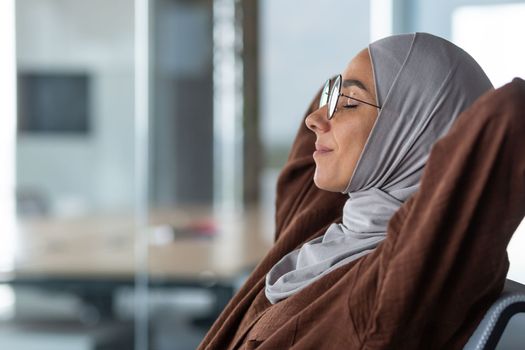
column 350, row 106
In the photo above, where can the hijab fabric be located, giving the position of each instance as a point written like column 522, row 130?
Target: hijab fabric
column 423, row 83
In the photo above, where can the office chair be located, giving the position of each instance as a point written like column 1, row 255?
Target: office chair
column 503, row 327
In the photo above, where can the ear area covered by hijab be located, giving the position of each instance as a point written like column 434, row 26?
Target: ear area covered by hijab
column 423, row 83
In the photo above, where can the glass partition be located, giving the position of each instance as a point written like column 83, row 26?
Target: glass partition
column 75, row 177
column 149, row 137
column 130, row 229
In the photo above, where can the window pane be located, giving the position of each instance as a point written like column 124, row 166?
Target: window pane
column 493, row 35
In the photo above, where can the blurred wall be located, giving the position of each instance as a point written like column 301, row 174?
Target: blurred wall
column 303, row 42
column 182, row 118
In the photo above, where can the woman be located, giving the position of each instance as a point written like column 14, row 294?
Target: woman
column 385, row 266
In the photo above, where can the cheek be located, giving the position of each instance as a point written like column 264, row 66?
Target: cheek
column 351, row 145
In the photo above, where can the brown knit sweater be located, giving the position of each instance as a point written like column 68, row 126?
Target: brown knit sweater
column 428, row 284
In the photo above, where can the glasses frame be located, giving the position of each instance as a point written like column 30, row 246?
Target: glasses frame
column 325, row 94
column 332, row 106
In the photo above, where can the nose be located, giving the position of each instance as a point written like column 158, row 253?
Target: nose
column 317, row 121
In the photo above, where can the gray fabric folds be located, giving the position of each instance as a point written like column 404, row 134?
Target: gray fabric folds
column 423, row 83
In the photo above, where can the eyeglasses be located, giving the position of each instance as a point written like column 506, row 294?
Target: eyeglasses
column 331, row 96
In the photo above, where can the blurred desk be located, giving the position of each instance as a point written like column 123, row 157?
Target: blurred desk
column 92, row 256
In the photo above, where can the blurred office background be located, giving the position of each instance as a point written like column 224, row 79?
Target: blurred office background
column 141, row 142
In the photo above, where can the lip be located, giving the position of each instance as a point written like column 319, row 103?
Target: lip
column 320, row 149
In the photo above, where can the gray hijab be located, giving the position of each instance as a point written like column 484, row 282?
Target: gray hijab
column 423, row 83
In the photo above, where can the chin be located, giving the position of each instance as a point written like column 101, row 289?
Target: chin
column 326, row 185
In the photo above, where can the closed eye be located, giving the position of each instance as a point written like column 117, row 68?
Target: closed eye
column 350, row 106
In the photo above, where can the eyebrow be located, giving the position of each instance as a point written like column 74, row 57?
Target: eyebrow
column 354, row 82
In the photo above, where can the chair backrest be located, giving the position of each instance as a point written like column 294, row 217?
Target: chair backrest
column 503, row 326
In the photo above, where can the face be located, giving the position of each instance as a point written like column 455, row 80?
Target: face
column 340, row 140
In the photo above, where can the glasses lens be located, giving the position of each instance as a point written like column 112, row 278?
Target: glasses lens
column 324, row 94
column 334, row 97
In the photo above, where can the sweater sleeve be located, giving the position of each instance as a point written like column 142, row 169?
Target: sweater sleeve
column 444, row 260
